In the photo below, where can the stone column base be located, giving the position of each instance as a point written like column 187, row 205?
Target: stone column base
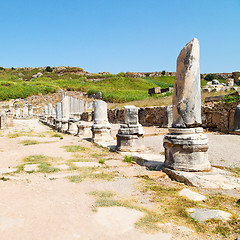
column 84, row 129
column 64, row 126
column 58, row 124
column 101, row 133
column 186, row 150
column 72, row 126
column 129, row 143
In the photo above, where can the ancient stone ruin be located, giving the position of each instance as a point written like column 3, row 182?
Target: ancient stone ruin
column 101, row 128
column 130, row 134
column 185, row 145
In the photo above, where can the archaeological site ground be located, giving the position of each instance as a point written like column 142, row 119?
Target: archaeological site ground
column 148, row 156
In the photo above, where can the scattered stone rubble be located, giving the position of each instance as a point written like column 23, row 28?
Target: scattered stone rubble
column 216, row 86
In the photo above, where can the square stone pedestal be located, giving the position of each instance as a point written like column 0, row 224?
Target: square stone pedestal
column 72, row 126
column 64, row 126
column 84, row 129
column 101, row 133
column 129, row 143
column 58, row 124
column 186, row 150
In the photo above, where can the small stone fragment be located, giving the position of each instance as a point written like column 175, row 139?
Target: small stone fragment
column 31, row 167
column 203, row 214
column 192, row 195
column 86, row 164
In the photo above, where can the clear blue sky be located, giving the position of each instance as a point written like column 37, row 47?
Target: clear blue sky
column 119, row 35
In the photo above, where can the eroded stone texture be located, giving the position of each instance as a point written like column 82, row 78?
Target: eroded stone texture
column 30, row 110
column 100, row 112
column 101, row 129
column 130, row 134
column 185, row 145
column 2, row 120
column 58, row 110
column 187, row 89
column 65, row 107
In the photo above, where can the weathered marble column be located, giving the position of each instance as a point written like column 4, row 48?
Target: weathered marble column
column 65, row 113
column 25, row 111
column 58, row 120
column 3, row 120
column 74, row 116
column 101, row 129
column 49, row 113
column 168, row 117
column 185, row 145
column 30, row 110
column 17, row 111
column 130, row 134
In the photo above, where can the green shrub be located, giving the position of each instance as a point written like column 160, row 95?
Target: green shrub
column 209, row 77
column 231, row 98
column 48, row 69
column 128, row 158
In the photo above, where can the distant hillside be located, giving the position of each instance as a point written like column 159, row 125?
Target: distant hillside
column 122, row 87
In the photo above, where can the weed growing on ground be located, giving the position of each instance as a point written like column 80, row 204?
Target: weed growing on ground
column 47, row 168
column 33, row 142
column 25, row 134
column 128, row 158
column 35, row 159
column 108, row 199
column 174, row 208
column 75, row 179
column 56, row 135
column 101, row 161
column 39, row 159
column 93, row 173
column 74, row 148
column 79, row 158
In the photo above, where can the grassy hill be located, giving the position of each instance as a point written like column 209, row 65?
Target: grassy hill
column 20, row 83
column 119, row 88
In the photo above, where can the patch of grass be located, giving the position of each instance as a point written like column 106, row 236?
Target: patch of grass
column 174, row 208
column 128, row 158
column 25, row 134
column 162, row 153
column 75, row 179
column 13, row 135
column 101, row 161
column 30, row 142
column 94, row 173
column 235, row 171
column 40, row 159
column 108, row 199
column 33, row 142
column 47, row 168
column 57, row 135
column 20, row 168
column 36, row 159
column 4, row 179
column 72, row 167
column 97, row 155
column 231, row 98
column 74, row 148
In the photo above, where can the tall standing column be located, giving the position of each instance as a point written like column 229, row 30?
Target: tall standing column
column 65, row 113
column 185, row 145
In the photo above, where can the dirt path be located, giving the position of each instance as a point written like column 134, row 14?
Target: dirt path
column 61, row 199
